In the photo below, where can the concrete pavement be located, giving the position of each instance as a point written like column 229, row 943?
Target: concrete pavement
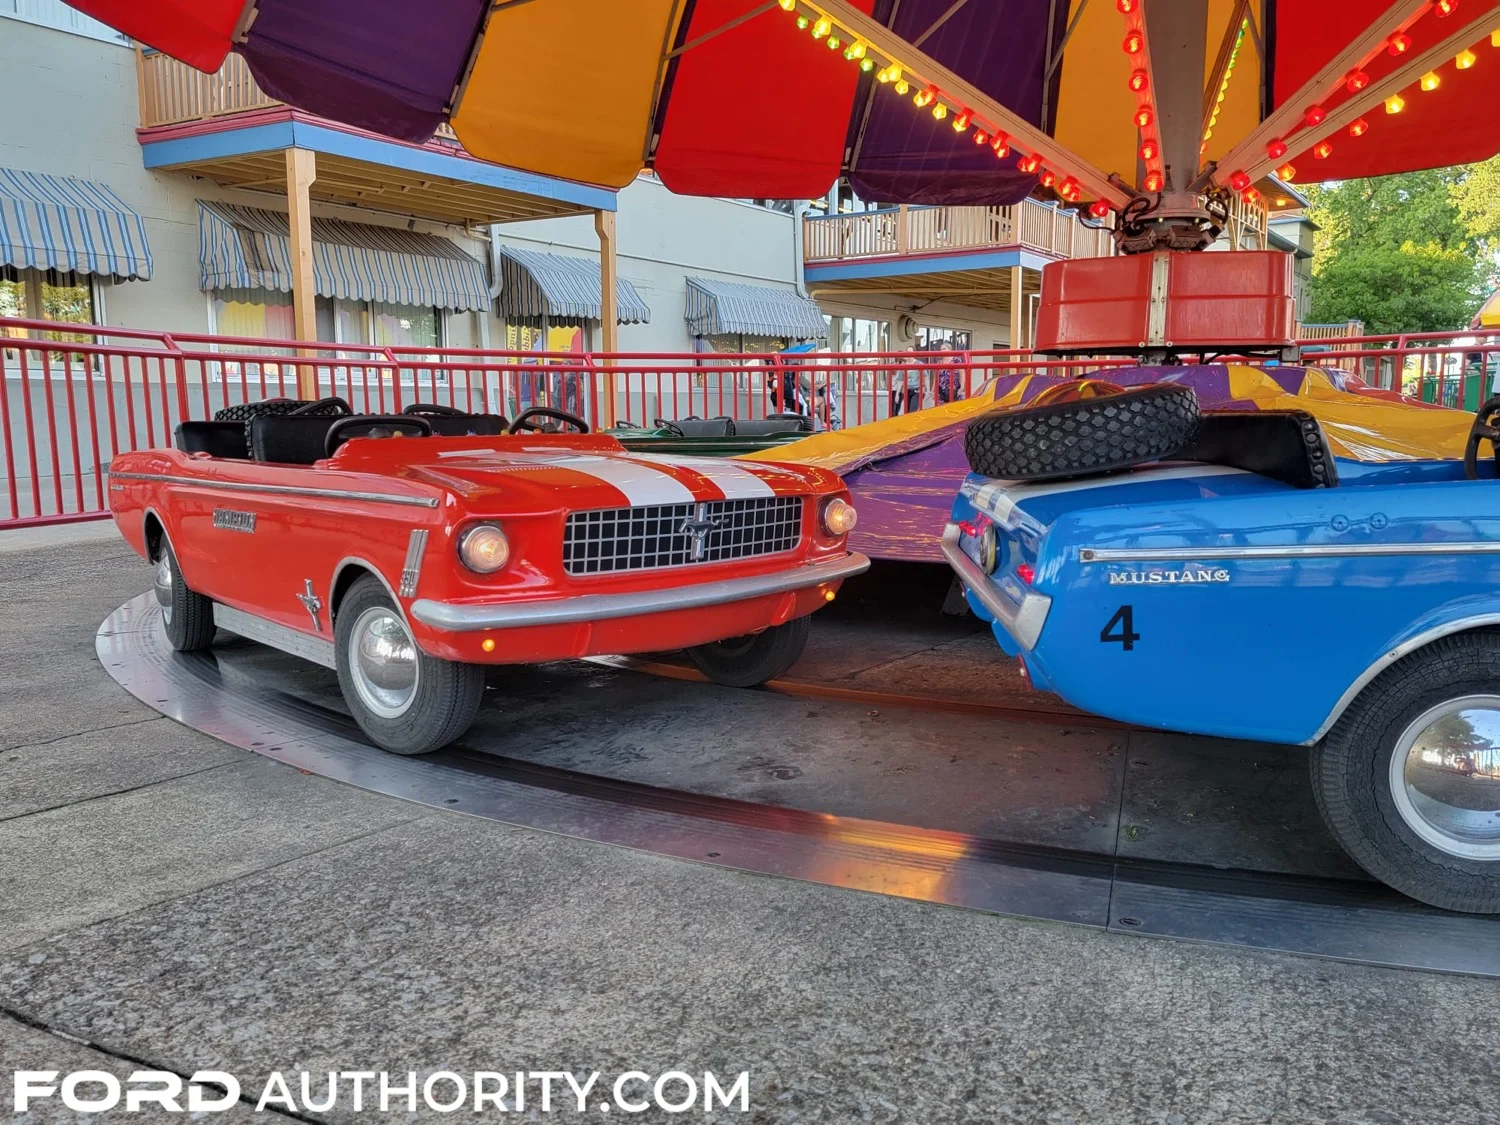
column 169, row 901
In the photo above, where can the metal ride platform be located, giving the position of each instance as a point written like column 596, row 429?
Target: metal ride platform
column 901, row 780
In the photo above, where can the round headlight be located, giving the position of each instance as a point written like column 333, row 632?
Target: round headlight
column 483, row 548
column 989, row 550
column 839, row 517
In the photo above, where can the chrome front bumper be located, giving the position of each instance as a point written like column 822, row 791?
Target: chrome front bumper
column 1022, row 619
column 465, row 618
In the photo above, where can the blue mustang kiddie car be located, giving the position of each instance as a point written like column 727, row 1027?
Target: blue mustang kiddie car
column 1243, row 583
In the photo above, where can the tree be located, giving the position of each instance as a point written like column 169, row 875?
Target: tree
column 1406, row 253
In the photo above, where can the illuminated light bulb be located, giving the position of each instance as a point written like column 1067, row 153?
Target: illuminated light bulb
column 961, row 122
column 857, row 50
column 866, row 65
column 1133, row 43
column 1139, row 81
column 902, row 85
column 1356, row 81
column 1070, row 190
column 1029, row 164
column 1154, row 181
column 802, row 22
column 1282, row 201
column 1001, row 144
column 822, row 27
column 788, row 5
column 1144, row 117
column 1465, row 59
column 1399, row 43
column 924, row 97
column 1208, row 134
column 849, row 52
column 981, row 137
column 1359, row 128
column 940, row 111
column 1495, row 37
column 1287, row 172
column 1250, row 195
column 1148, row 150
column 1430, row 81
column 1395, row 103
column 1127, row 6
column 1239, row 181
column 1322, row 150
column 1444, row 8
column 1276, row 149
column 833, row 42
column 1314, row 116
column 1099, row 209
column 1047, row 178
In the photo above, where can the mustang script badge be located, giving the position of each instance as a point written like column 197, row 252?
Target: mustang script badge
column 1156, row 576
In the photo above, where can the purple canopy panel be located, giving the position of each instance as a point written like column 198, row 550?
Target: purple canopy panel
column 1002, row 45
column 904, row 494
column 381, row 65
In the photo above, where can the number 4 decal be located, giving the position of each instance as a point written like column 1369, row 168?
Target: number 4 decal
column 1127, row 636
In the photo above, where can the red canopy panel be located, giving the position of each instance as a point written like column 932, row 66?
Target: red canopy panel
column 758, row 110
column 196, row 31
column 1454, row 124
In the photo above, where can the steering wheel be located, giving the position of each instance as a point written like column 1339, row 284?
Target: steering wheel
column 333, row 407
column 524, row 421
column 1484, row 429
column 672, row 428
column 379, row 425
column 436, row 409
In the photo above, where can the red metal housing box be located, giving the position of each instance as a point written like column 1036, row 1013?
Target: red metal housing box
column 1186, row 302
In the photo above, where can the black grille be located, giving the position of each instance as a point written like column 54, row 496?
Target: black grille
column 658, row 535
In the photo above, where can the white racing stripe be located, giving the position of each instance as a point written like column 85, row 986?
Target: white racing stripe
column 734, row 481
column 641, row 484
column 1000, row 497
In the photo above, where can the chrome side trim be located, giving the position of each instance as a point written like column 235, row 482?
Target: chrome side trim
column 285, row 490
column 269, row 633
column 1405, row 648
column 411, row 569
column 1293, row 551
column 600, row 607
column 1022, row 621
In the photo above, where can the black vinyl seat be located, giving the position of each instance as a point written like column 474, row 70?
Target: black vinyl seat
column 217, row 439
column 1285, row 445
column 467, row 425
column 286, row 440
column 765, row 427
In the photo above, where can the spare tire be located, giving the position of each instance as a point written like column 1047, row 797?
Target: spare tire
column 1090, row 435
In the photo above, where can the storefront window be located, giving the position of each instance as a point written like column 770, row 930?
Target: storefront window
column 856, row 334
column 732, row 343
column 35, row 295
column 931, row 339
column 254, row 314
column 405, row 326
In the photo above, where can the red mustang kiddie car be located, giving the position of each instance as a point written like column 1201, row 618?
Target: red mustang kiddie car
column 408, row 551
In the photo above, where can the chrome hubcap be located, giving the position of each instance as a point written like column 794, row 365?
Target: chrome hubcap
column 1445, row 777
column 161, row 582
column 383, row 662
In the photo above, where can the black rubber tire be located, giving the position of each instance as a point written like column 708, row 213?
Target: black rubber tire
column 754, row 659
column 1092, row 435
column 448, row 692
column 1351, row 782
column 189, row 620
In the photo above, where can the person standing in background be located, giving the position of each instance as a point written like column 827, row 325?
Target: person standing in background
column 906, row 385
column 949, row 383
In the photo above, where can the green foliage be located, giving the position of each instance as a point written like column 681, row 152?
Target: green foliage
column 1408, row 253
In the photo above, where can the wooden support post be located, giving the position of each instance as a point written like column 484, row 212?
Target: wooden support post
column 609, row 309
column 1017, row 307
column 301, row 171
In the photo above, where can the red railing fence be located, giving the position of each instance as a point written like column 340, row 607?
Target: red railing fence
column 69, row 403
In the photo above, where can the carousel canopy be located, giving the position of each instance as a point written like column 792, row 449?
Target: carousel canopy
column 917, row 101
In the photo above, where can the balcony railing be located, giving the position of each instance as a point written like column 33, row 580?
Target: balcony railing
column 173, row 93
column 925, row 230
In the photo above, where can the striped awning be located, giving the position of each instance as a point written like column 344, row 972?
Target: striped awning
column 248, row 248
column 715, row 307
column 69, row 225
column 535, row 286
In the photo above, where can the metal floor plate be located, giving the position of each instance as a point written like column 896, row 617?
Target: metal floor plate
column 289, row 711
